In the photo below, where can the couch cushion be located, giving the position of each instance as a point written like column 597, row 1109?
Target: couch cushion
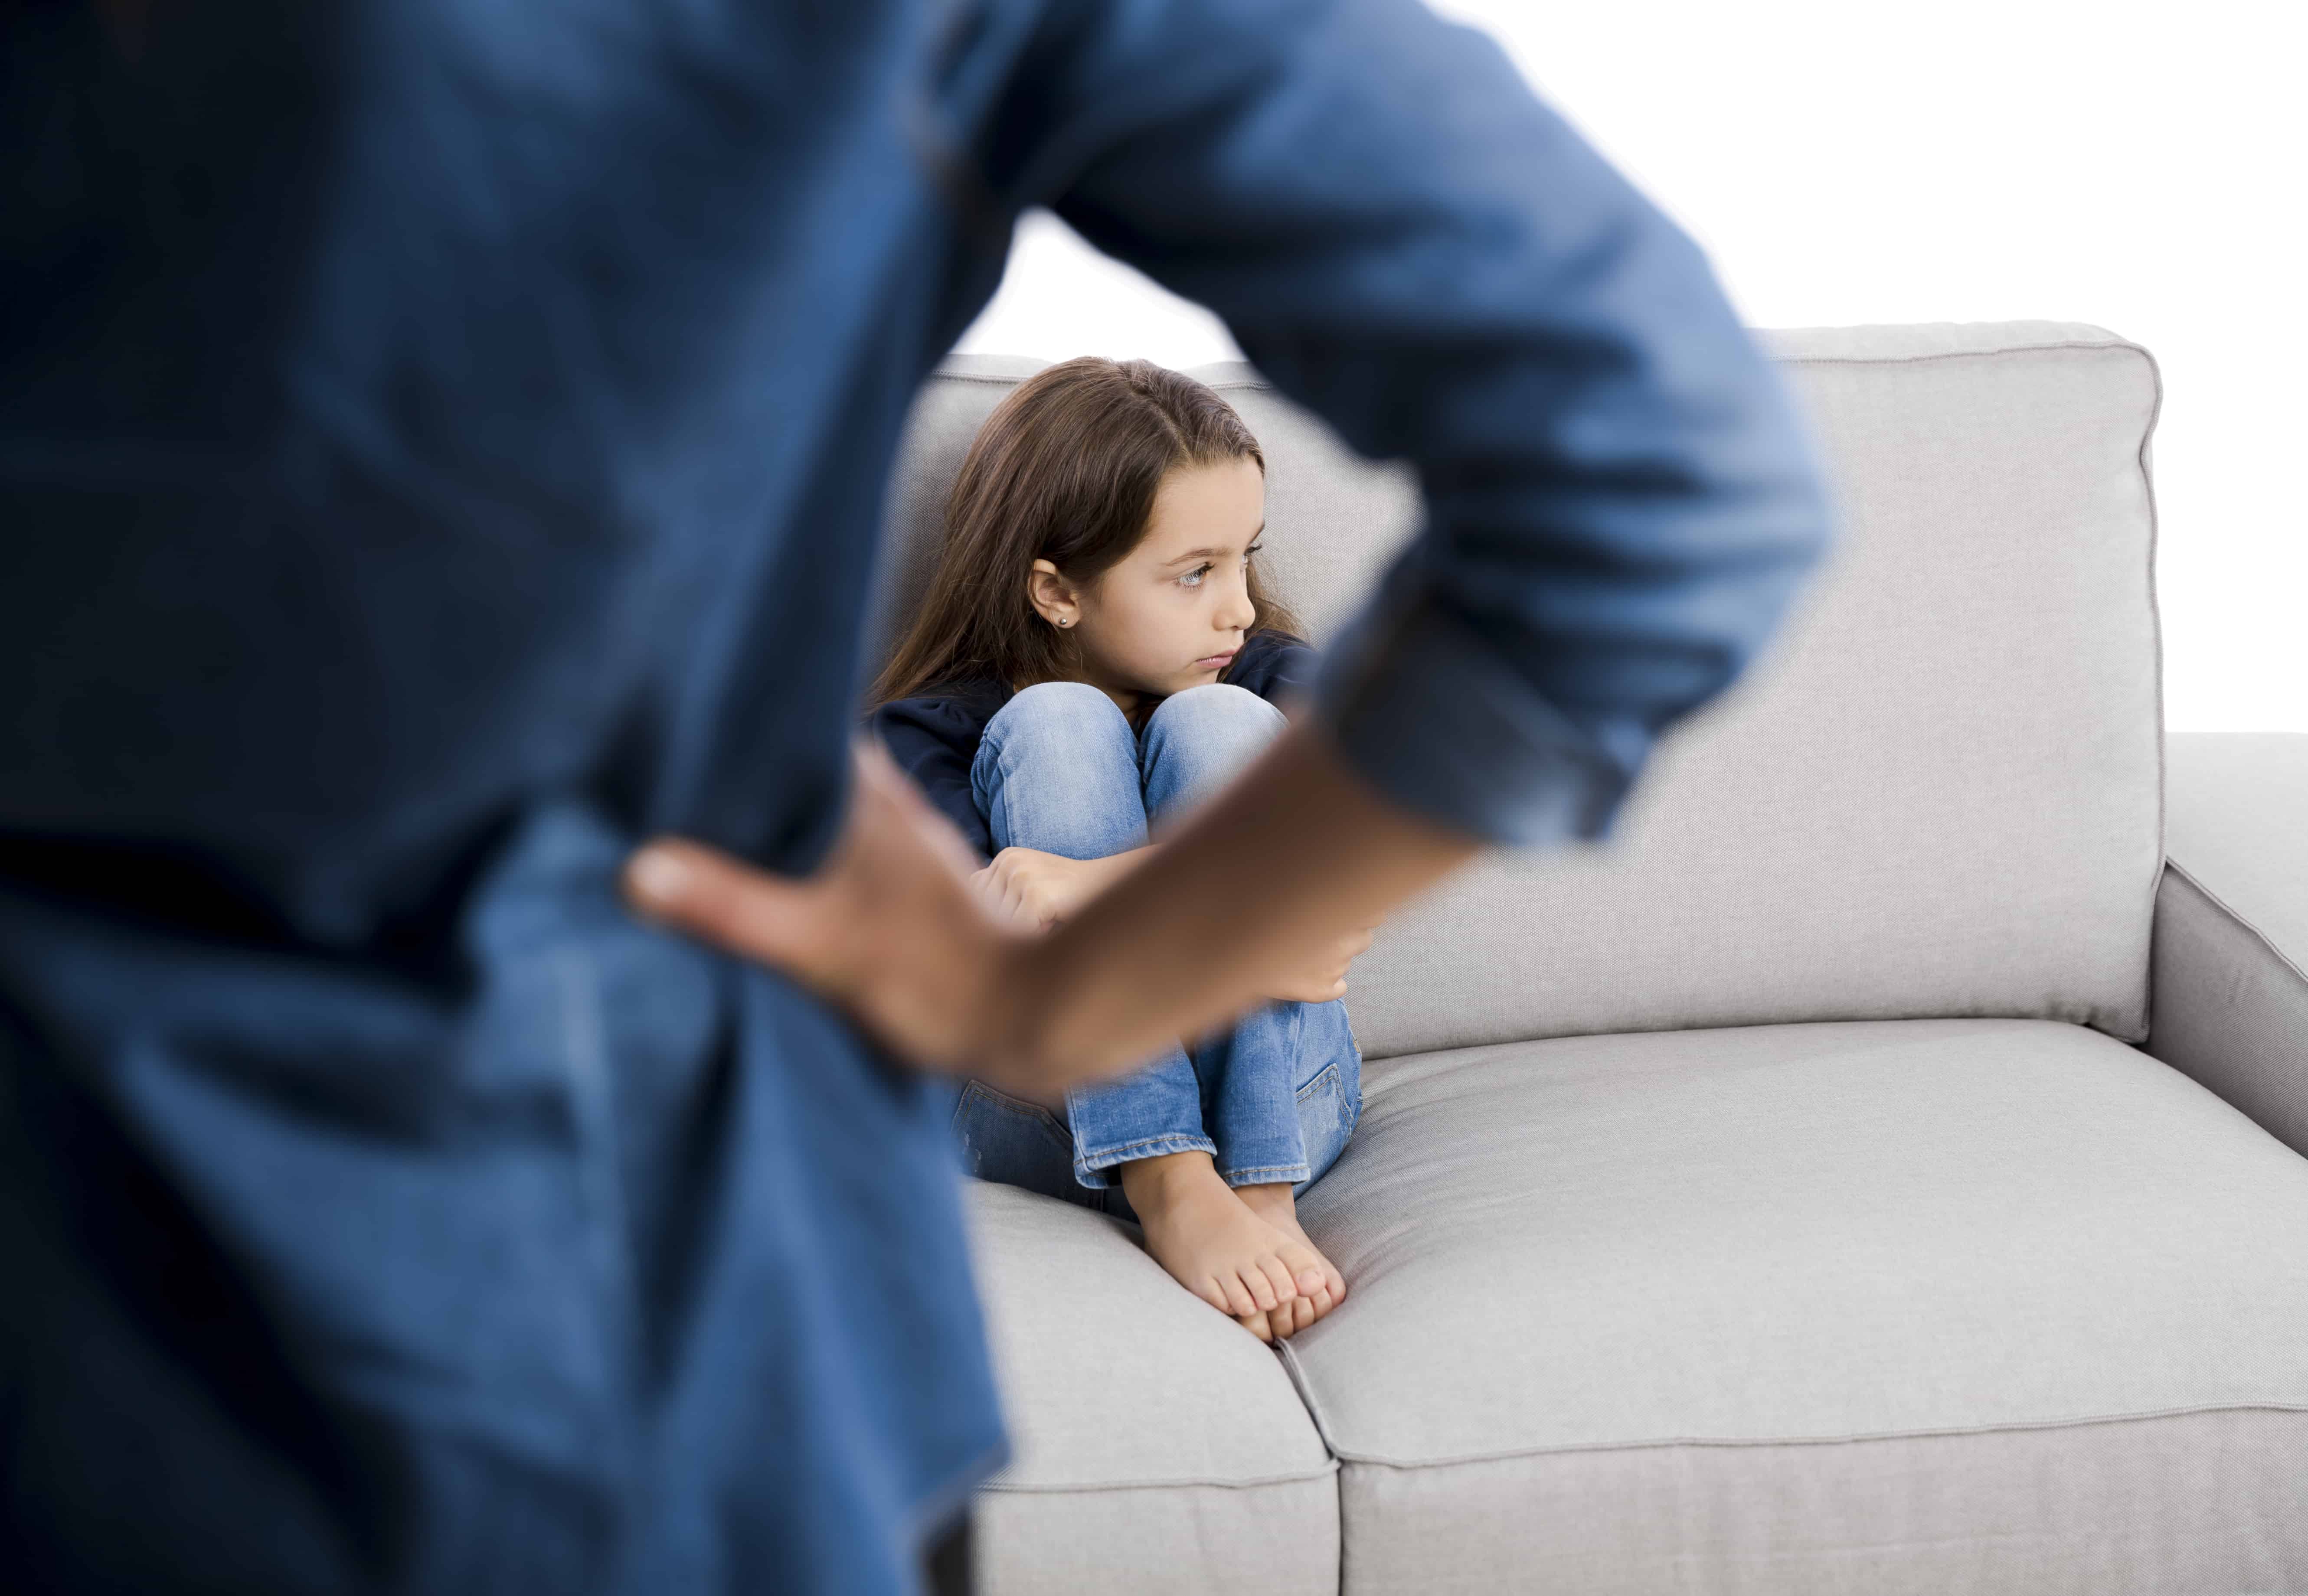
column 1931, row 1305
column 1157, row 1445
column 1934, row 793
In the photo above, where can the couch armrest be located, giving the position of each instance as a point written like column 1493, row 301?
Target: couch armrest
column 2228, row 963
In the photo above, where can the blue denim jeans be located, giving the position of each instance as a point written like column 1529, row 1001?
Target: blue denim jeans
column 1271, row 1098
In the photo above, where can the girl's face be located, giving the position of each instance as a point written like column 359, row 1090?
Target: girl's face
column 1171, row 614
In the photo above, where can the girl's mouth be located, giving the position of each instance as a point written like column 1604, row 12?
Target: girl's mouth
column 1214, row 662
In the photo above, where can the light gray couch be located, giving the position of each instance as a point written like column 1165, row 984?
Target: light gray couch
column 1878, row 1169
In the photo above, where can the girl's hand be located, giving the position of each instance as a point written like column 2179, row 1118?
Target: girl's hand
column 1032, row 890
column 1326, row 977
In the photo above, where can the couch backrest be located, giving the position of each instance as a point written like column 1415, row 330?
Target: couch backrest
column 1937, row 792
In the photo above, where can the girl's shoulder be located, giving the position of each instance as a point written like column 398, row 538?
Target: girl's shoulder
column 1273, row 640
column 934, row 736
column 951, row 710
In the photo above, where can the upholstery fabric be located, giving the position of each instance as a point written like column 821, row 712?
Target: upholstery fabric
column 2202, row 1501
column 2229, row 998
column 1766, row 1203
column 1795, row 1304
column 1934, row 795
column 1157, row 1445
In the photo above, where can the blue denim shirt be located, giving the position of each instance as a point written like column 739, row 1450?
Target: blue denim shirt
column 441, row 444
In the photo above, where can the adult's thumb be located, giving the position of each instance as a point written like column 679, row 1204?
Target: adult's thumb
column 713, row 896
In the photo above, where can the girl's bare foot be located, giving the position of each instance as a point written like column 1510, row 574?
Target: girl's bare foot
column 1200, row 1230
column 1274, row 1205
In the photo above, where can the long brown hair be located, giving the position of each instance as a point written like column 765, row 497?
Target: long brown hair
column 1065, row 469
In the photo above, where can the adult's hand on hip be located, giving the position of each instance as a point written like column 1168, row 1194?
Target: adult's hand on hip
column 888, row 928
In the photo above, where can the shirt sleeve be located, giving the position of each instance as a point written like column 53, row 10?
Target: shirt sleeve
column 1620, row 497
column 933, row 741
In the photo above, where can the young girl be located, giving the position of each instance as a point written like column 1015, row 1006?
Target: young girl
column 1095, row 657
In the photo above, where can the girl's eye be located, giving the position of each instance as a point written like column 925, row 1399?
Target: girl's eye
column 1193, row 578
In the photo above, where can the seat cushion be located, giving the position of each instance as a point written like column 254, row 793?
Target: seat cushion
column 1157, row 1446
column 1926, row 1305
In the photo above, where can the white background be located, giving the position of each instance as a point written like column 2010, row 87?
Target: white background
column 2145, row 169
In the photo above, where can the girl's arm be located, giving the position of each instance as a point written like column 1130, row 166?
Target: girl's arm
column 932, row 739
column 1035, row 887
column 1252, row 888
column 1036, row 890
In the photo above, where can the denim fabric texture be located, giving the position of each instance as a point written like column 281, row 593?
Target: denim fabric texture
column 444, row 445
column 1272, row 1097
column 934, row 735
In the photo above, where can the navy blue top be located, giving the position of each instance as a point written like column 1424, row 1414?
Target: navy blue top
column 442, row 443
column 934, row 736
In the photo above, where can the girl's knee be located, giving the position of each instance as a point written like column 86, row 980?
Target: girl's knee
column 1200, row 738
column 1059, row 703
column 1069, row 742
column 1073, row 719
column 1219, row 704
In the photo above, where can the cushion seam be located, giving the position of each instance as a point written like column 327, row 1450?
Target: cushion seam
column 1258, row 1483
column 1305, row 1388
column 1891, row 1435
column 2113, row 343
column 2156, row 634
column 2117, row 343
column 1841, row 359
column 2214, row 898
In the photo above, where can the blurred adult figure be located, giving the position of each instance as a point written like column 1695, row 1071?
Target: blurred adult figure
column 441, row 447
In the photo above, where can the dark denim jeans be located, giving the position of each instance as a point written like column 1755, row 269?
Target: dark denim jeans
column 1271, row 1098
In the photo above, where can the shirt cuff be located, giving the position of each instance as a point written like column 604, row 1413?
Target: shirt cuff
column 1429, row 712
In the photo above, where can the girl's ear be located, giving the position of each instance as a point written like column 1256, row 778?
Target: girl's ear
column 1051, row 594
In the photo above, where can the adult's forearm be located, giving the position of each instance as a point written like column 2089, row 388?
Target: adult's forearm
column 1298, row 849
column 1105, row 872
